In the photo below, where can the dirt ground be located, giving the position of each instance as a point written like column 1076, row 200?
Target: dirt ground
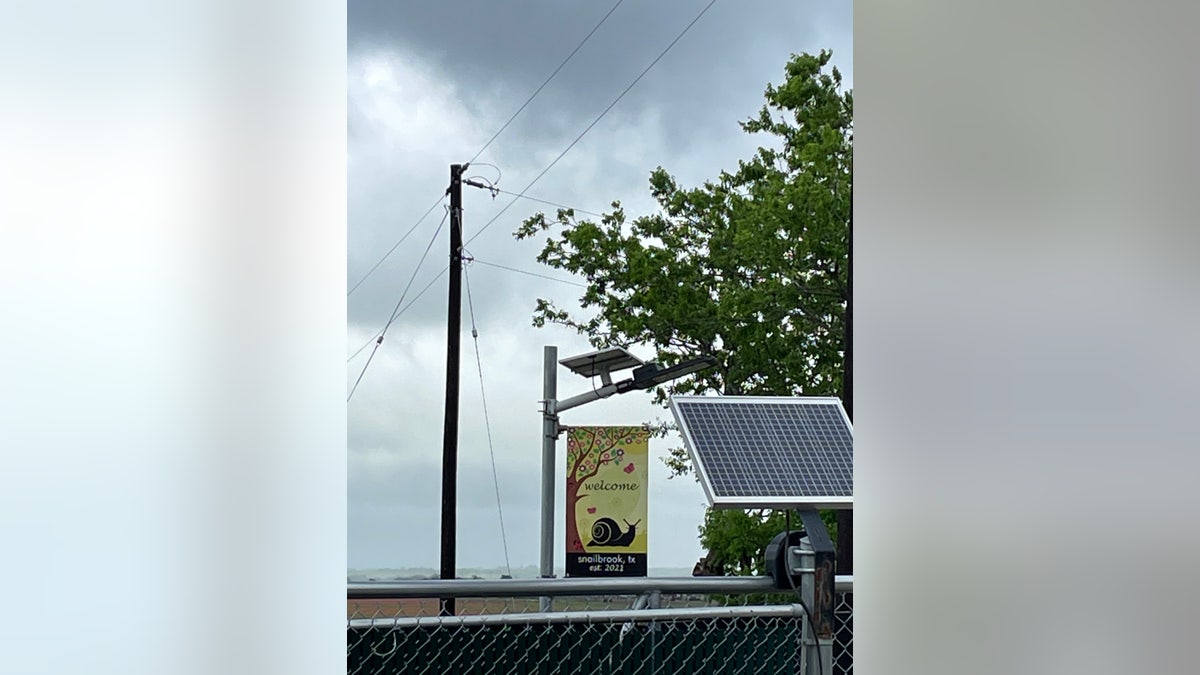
column 387, row 608
column 367, row 609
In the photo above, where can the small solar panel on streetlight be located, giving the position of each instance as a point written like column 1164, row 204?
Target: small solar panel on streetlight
column 769, row 451
column 600, row 362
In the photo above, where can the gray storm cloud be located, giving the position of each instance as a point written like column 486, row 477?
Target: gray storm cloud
column 428, row 85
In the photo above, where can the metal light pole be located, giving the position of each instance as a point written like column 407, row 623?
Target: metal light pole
column 602, row 364
column 549, row 438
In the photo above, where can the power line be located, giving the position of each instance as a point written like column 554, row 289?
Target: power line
column 595, row 121
column 412, row 302
column 421, row 261
column 364, row 370
column 396, row 310
column 543, row 86
column 416, row 297
column 395, row 246
column 434, row 280
column 495, row 190
column 487, row 421
column 499, row 173
column 532, row 274
column 493, row 138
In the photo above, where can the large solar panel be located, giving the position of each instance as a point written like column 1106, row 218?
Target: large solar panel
column 768, row 451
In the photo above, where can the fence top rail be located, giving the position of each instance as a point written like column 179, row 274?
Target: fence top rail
column 484, row 588
column 582, row 617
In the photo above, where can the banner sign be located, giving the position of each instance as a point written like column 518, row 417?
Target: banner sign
column 607, row 475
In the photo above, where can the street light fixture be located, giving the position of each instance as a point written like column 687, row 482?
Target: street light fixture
column 651, row 374
column 600, row 363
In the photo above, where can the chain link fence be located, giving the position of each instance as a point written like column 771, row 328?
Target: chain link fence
column 648, row 633
column 843, row 634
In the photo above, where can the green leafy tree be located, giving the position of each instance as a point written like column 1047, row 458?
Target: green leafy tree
column 735, row 539
column 749, row 268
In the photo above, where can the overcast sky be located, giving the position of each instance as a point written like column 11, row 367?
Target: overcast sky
column 429, row 83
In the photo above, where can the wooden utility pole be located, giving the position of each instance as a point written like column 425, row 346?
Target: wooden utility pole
column 450, row 435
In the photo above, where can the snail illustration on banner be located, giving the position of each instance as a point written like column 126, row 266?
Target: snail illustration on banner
column 606, row 532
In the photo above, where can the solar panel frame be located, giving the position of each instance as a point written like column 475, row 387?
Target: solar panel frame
column 803, row 497
column 601, row 361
